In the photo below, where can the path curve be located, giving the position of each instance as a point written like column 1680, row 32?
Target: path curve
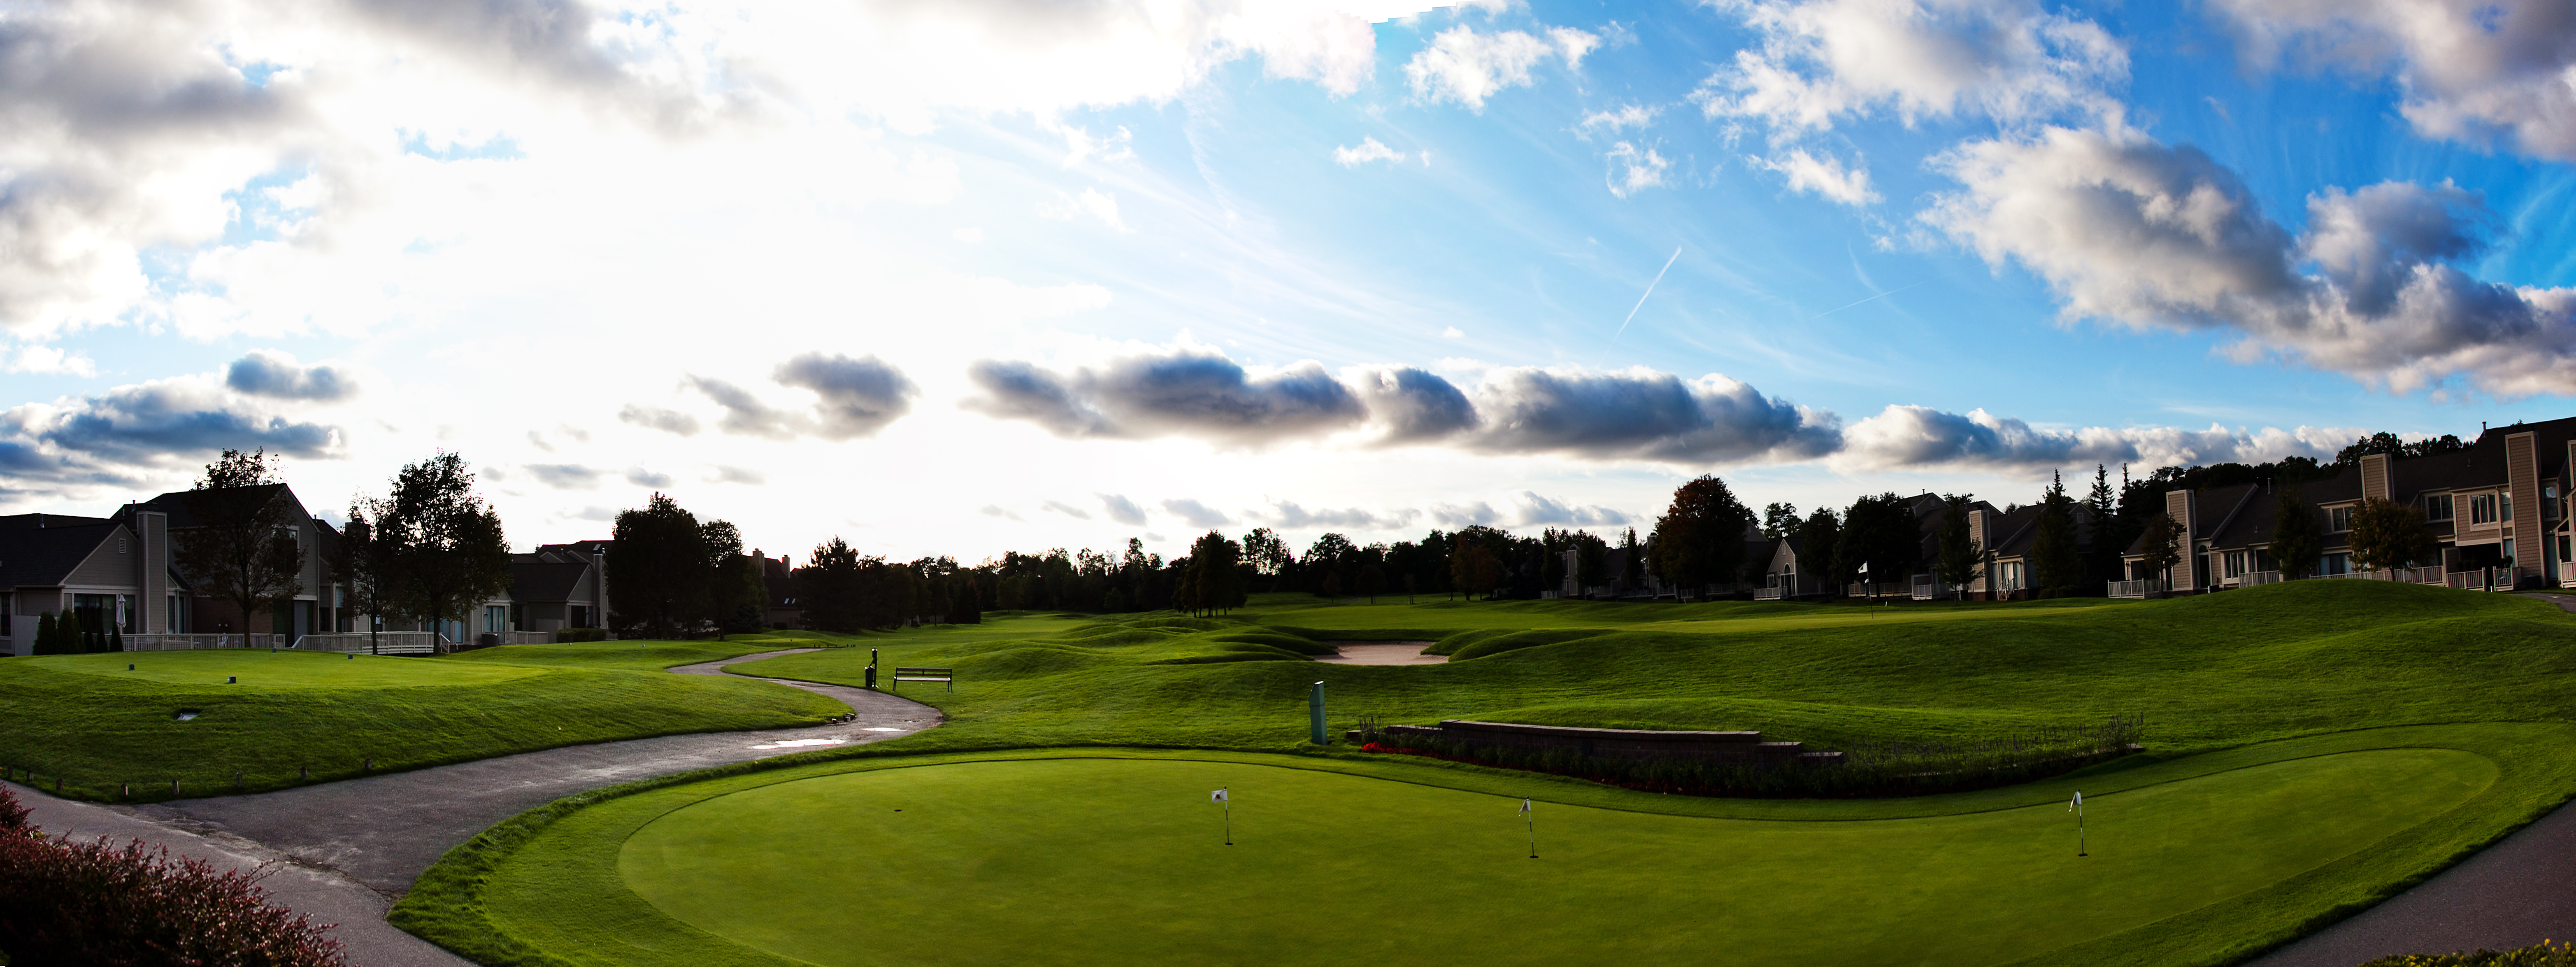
column 344, row 851
column 2515, row 893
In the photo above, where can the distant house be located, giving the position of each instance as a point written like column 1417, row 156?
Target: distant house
column 783, row 610
column 559, row 586
column 315, row 608
column 2497, row 510
column 95, row 567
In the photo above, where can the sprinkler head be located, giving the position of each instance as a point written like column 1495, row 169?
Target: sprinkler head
column 232, row 679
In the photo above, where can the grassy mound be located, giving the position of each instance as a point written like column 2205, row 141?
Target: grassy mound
column 98, row 729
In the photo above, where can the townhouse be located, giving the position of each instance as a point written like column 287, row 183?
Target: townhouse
column 2496, row 510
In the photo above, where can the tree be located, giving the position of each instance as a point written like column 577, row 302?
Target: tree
column 2387, row 535
column 1817, row 537
column 240, row 545
column 1778, row 519
column 2298, row 535
column 1329, row 556
column 1591, row 562
column 1214, row 578
column 2057, row 562
column 1959, row 551
column 48, row 635
column 661, row 555
column 365, row 576
column 828, row 586
column 737, row 592
column 444, row 541
column 2160, row 546
column 1632, row 561
column 1267, row 553
column 1372, row 581
column 1880, row 540
column 1699, row 540
column 1475, row 567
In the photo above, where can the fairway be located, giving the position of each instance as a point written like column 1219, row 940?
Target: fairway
column 282, row 669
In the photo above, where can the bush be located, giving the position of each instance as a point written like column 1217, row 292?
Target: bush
column 2545, row 955
column 75, row 903
column 572, row 635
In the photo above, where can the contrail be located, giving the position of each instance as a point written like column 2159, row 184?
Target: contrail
column 1650, row 290
column 1881, row 295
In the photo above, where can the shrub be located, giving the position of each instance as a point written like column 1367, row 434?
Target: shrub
column 81, row 903
column 2547, row 954
column 572, row 635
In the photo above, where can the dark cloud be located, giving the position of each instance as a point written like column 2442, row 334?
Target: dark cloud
column 564, row 476
column 1415, row 406
column 1920, row 436
column 859, row 396
column 1122, row 510
column 657, row 418
column 1640, row 414
column 148, row 422
column 1196, row 514
column 1185, row 392
column 1288, row 513
column 265, row 373
column 745, row 414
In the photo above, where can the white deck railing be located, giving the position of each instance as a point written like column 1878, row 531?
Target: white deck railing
column 380, row 642
column 2137, row 589
column 194, row 642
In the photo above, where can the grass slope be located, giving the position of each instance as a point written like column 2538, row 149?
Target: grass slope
column 87, row 722
column 2234, row 680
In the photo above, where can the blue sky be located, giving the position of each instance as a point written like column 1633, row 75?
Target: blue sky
column 989, row 276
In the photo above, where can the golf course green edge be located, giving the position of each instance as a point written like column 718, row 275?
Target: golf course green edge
column 545, row 887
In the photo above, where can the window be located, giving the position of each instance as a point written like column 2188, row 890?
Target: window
column 2437, row 507
column 496, row 618
column 2507, row 500
column 2336, row 564
column 2482, row 508
column 2508, row 550
column 2563, row 548
column 2235, row 563
column 2338, row 520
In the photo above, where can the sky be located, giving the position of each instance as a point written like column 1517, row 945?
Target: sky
column 971, row 276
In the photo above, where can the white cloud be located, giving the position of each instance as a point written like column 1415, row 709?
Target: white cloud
column 2136, row 232
column 1196, row 514
column 1369, row 150
column 1901, row 437
column 1121, row 509
column 2471, row 70
column 1617, row 119
column 48, row 361
column 1822, row 176
column 1634, row 169
column 1822, row 59
column 1467, row 66
column 1091, row 202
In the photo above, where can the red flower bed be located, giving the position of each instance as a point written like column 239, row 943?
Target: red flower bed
column 92, row 903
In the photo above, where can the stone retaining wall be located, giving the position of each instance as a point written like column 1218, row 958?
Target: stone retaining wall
column 1618, row 743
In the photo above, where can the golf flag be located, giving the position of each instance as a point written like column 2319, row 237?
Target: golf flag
column 1217, row 796
column 1525, row 807
column 2076, row 805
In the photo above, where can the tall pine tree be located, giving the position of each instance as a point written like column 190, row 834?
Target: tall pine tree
column 2057, row 564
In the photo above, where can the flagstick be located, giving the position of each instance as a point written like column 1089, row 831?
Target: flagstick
column 1229, row 820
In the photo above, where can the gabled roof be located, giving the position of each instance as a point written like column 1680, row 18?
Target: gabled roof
column 42, row 557
column 181, row 508
column 33, row 521
column 539, row 580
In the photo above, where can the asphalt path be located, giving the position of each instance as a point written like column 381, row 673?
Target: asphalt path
column 342, row 852
column 2514, row 894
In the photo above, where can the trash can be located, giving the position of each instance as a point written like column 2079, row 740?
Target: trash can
column 488, row 639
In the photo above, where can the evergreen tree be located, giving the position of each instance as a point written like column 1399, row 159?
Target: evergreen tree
column 2056, row 562
column 1591, row 562
column 1817, row 537
column 1959, row 550
column 48, row 635
column 115, row 638
column 69, row 639
column 2298, row 534
column 1632, row 561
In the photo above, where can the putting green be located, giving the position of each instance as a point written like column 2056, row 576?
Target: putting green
column 263, row 669
column 1119, row 860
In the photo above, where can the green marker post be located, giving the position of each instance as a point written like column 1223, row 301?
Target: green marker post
column 1315, row 714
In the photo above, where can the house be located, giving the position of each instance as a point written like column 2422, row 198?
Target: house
column 558, row 586
column 780, row 579
column 316, row 603
column 98, row 568
column 2497, row 510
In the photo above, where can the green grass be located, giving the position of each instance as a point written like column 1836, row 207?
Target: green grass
column 99, row 729
column 2229, row 682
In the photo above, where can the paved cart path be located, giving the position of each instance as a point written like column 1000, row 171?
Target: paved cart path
column 345, row 850
column 2513, row 894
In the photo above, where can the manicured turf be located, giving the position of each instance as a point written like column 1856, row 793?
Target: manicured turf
column 2302, row 671
column 100, row 729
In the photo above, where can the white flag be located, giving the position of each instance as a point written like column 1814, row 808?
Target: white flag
column 1217, row 796
column 1525, row 807
column 2076, row 805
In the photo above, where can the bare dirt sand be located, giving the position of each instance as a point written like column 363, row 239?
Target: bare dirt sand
column 1383, row 653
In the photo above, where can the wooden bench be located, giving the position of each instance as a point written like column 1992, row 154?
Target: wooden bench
column 902, row 675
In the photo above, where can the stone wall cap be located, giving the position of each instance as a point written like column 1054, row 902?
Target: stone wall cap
column 1569, row 730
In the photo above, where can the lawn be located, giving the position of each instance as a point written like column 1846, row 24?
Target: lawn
column 98, row 729
column 2314, row 747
